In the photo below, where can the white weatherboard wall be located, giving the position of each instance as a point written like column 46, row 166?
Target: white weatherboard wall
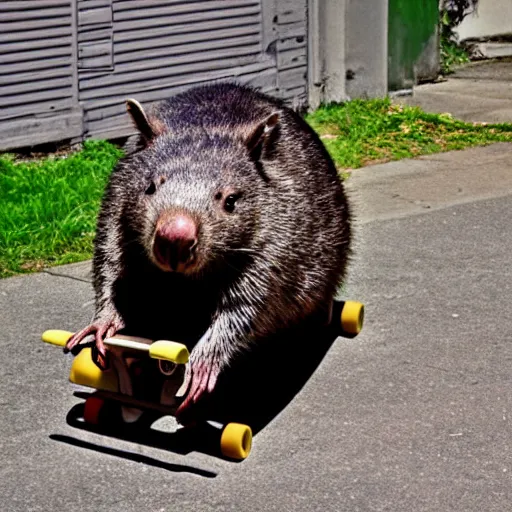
column 159, row 48
column 67, row 66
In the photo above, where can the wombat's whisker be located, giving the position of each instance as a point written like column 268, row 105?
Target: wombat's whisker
column 246, row 250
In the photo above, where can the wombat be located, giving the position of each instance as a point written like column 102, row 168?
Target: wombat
column 228, row 223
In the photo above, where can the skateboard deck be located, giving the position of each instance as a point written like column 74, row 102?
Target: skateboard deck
column 146, row 375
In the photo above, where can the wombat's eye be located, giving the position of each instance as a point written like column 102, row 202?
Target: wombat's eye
column 230, row 202
column 151, row 189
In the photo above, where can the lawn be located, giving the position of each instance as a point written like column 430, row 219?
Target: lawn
column 48, row 206
column 362, row 132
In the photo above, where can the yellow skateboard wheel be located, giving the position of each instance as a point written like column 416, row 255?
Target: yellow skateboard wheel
column 85, row 373
column 236, row 441
column 56, row 337
column 352, row 317
column 169, row 351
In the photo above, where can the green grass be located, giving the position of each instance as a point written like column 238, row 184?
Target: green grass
column 362, row 132
column 48, row 207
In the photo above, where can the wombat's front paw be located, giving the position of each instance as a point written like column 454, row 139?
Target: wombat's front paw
column 100, row 329
column 200, row 380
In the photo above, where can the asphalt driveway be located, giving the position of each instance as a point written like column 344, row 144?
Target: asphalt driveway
column 412, row 415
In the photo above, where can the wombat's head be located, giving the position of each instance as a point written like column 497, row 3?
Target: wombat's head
column 196, row 197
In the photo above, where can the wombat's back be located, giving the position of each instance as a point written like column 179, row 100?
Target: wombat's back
column 223, row 105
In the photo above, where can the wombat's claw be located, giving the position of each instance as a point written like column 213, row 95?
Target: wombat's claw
column 200, row 380
column 100, row 330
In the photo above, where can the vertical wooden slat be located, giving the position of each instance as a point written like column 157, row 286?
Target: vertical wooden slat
column 38, row 77
column 292, row 63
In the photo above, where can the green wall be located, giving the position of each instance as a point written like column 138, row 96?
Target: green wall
column 413, row 49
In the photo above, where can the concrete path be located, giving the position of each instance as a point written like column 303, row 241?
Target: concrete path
column 412, row 415
column 478, row 92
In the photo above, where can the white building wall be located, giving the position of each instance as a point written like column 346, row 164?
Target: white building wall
column 492, row 18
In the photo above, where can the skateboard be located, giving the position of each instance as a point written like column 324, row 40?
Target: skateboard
column 134, row 361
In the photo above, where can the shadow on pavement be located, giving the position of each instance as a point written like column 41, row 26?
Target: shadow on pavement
column 265, row 381
column 204, row 438
column 136, row 457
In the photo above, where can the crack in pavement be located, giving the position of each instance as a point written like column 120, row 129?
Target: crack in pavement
column 67, row 276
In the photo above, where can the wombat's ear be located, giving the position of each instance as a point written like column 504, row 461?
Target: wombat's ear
column 147, row 127
column 262, row 135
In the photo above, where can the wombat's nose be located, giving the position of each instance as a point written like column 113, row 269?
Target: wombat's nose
column 175, row 241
